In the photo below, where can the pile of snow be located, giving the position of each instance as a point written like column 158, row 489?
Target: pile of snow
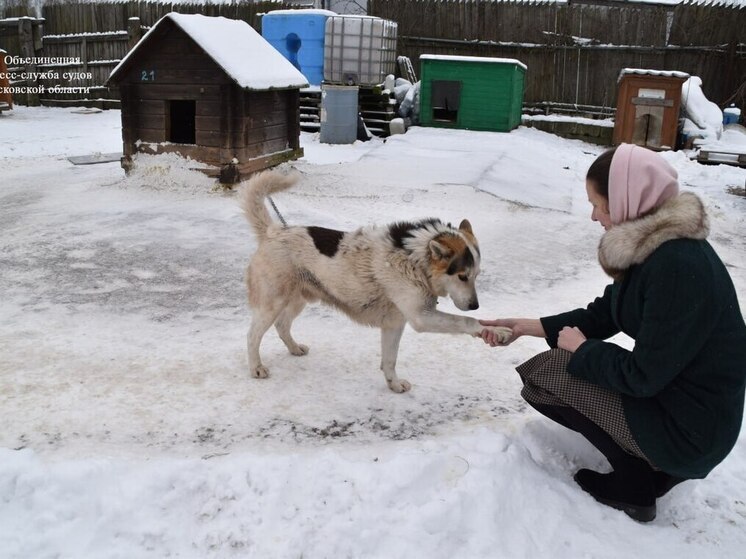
column 167, row 171
column 703, row 118
column 730, row 146
column 602, row 122
column 408, row 97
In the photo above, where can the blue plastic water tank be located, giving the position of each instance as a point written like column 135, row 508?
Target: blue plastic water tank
column 299, row 36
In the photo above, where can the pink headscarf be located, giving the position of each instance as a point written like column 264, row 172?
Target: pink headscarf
column 639, row 180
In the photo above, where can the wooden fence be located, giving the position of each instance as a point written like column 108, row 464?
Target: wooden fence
column 63, row 17
column 574, row 51
column 97, row 54
column 66, row 17
column 606, row 22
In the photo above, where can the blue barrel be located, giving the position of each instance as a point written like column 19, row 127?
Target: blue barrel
column 299, row 36
column 339, row 114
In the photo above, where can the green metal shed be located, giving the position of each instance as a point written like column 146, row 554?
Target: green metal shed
column 471, row 92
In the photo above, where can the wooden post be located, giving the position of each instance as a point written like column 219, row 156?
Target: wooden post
column 134, row 32
column 26, row 40
column 128, row 127
column 84, row 53
column 292, row 112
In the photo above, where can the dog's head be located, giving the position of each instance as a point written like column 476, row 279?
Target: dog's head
column 454, row 261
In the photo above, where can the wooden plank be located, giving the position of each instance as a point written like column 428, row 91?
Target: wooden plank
column 267, row 146
column 209, row 155
column 94, row 158
column 140, row 120
column 651, row 102
column 146, row 107
column 293, row 119
column 153, row 92
column 149, row 135
column 208, row 138
column 260, row 163
column 265, row 134
column 116, row 36
column 209, row 107
column 211, row 123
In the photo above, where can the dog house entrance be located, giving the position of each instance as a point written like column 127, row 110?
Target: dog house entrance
column 446, row 100
column 650, row 105
column 182, row 122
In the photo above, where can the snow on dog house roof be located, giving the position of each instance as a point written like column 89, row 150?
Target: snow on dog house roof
column 234, row 45
column 487, row 59
column 648, row 72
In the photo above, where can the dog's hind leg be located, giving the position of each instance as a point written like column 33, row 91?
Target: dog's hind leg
column 390, row 338
column 262, row 319
column 285, row 321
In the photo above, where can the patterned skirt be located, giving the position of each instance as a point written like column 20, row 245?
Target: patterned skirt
column 546, row 381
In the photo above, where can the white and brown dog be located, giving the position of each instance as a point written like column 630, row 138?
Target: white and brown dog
column 379, row 276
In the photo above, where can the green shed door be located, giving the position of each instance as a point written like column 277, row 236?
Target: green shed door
column 446, row 100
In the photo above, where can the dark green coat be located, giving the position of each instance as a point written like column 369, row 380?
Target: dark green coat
column 682, row 385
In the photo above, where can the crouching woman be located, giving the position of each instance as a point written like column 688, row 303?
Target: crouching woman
column 671, row 408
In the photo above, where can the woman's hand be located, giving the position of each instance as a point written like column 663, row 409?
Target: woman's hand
column 570, row 339
column 519, row 326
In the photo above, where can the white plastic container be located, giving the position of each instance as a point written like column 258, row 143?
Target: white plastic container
column 359, row 50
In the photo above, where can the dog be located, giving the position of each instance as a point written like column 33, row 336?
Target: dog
column 381, row 276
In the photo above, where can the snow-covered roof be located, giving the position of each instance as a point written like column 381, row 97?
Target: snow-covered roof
column 305, row 12
column 645, row 72
column 473, row 59
column 234, row 46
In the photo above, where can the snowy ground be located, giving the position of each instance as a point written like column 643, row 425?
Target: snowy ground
column 130, row 428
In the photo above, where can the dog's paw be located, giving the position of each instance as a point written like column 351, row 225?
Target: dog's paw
column 399, row 385
column 299, row 350
column 503, row 334
column 260, row 372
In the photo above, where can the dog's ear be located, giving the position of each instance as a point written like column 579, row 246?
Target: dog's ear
column 465, row 226
column 439, row 251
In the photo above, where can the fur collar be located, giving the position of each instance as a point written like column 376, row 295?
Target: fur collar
column 631, row 242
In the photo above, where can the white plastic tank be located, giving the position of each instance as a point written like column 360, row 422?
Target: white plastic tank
column 339, row 114
column 359, row 50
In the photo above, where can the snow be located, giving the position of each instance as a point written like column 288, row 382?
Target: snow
column 473, row 59
column 649, row 72
column 130, row 426
column 703, row 113
column 729, row 147
column 301, row 12
column 234, row 46
column 602, row 122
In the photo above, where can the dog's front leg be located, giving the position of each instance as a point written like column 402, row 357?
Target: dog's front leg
column 390, row 338
column 430, row 320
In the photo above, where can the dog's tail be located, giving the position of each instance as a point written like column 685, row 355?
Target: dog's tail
column 251, row 197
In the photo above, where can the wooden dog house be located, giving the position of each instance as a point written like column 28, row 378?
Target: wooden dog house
column 648, row 104
column 211, row 89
